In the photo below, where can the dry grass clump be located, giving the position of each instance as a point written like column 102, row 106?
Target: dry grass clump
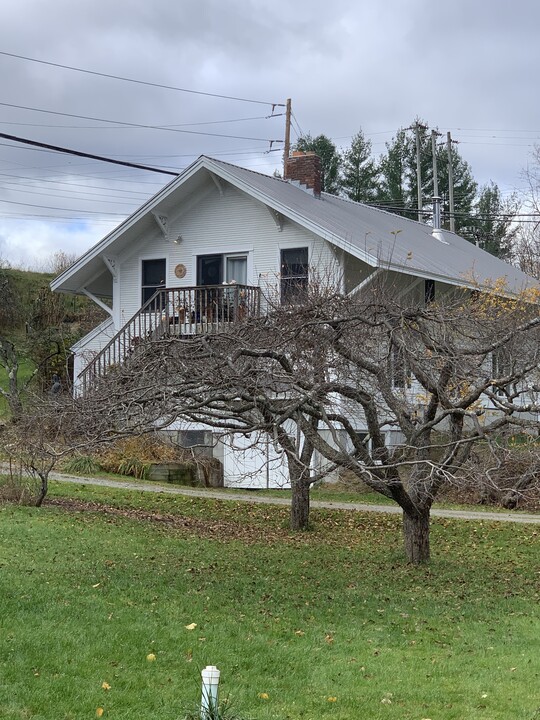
column 17, row 488
column 133, row 456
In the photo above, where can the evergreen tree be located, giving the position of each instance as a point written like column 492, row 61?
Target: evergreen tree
column 393, row 181
column 359, row 178
column 493, row 225
column 399, row 179
column 330, row 160
column 465, row 188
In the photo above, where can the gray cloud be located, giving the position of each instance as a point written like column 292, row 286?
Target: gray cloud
column 467, row 67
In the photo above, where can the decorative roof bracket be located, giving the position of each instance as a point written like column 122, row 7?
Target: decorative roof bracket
column 277, row 217
column 162, row 223
column 218, row 183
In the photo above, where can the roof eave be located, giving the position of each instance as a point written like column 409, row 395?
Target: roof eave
column 129, row 222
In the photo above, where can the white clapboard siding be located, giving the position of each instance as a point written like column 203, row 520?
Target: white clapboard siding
column 88, row 346
column 233, row 222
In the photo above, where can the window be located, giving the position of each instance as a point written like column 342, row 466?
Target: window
column 210, row 270
column 153, row 277
column 216, row 269
column 429, row 291
column 294, row 275
column 236, row 269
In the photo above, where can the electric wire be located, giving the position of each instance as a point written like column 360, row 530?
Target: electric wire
column 301, row 132
column 75, row 195
column 120, row 127
column 139, row 82
column 49, row 207
column 138, row 125
column 79, row 153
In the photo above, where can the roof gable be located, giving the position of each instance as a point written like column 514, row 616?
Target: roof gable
column 379, row 238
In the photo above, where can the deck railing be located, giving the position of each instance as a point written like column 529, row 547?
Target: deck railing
column 203, row 309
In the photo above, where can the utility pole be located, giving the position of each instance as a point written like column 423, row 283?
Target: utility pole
column 287, row 144
column 434, row 134
column 417, row 127
column 450, row 182
column 436, row 198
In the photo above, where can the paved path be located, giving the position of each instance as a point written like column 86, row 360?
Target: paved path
column 254, row 497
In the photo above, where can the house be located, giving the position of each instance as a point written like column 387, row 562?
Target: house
column 215, row 243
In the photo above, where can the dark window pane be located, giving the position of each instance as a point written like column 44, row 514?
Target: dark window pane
column 293, row 290
column 153, row 272
column 294, row 275
column 210, row 270
column 159, row 301
column 153, row 278
column 294, row 262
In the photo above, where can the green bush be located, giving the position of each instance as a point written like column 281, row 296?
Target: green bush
column 83, row 465
column 135, row 467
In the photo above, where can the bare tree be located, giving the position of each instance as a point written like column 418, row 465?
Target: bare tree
column 395, row 394
column 10, row 362
column 229, row 381
column 37, row 439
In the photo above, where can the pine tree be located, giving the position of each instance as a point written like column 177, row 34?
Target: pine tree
column 359, row 171
column 393, row 181
column 330, row 160
column 493, row 224
column 399, row 179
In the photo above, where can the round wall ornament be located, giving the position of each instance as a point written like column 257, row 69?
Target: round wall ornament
column 180, row 271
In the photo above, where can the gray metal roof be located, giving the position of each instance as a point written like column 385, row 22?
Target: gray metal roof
column 384, row 239
column 380, row 238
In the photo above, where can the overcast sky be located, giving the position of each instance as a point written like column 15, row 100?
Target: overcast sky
column 468, row 66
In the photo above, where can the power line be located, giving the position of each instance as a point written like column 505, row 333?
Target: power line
column 49, row 207
column 79, row 153
column 54, row 218
column 74, row 194
column 160, row 127
column 139, row 125
column 63, row 182
column 301, row 132
column 140, row 82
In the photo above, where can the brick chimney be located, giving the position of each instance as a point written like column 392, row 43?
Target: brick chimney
column 305, row 168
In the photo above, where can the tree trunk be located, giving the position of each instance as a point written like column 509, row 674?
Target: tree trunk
column 416, row 536
column 300, row 505
column 43, row 488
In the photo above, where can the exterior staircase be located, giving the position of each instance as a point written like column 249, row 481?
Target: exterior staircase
column 182, row 312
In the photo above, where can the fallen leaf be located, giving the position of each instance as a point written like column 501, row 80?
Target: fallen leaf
column 99, row 712
column 150, row 657
column 105, row 686
column 96, row 585
column 299, row 633
column 263, row 696
column 332, row 698
column 191, row 626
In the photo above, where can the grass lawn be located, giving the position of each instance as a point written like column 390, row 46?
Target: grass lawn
column 326, row 624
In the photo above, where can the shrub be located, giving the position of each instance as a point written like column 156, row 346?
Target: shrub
column 133, row 456
column 83, row 465
column 17, row 488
